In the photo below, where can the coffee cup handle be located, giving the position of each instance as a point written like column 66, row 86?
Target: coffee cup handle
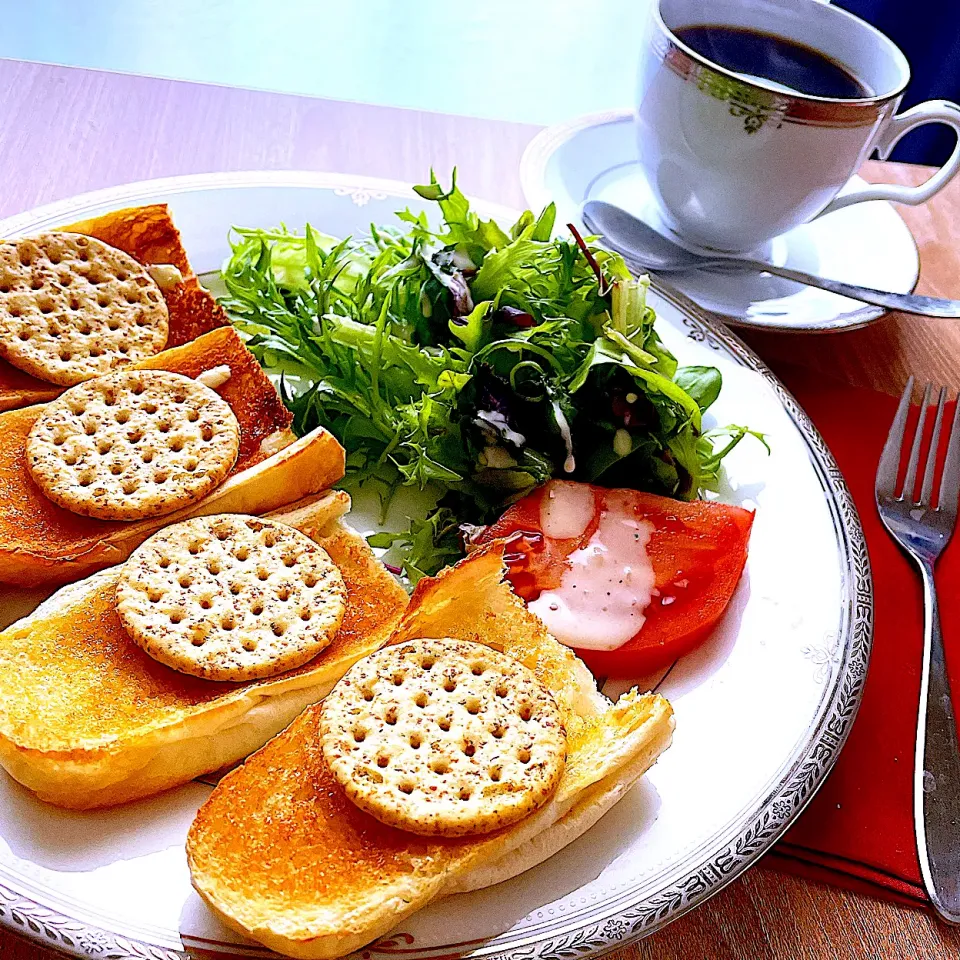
column 932, row 111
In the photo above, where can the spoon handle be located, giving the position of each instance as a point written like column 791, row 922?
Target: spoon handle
column 905, row 302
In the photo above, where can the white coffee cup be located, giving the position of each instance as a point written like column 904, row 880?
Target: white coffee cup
column 734, row 160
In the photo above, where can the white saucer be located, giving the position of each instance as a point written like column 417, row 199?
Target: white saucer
column 594, row 158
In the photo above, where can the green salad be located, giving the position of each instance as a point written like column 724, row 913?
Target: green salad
column 473, row 360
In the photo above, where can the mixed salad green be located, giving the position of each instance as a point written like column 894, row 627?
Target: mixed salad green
column 474, row 361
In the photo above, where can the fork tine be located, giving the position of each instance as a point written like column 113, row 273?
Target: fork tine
column 950, row 482
column 910, row 481
column 890, row 458
column 931, row 466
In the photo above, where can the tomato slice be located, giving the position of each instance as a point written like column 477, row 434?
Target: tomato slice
column 697, row 550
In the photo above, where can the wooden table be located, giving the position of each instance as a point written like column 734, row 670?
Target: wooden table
column 67, row 131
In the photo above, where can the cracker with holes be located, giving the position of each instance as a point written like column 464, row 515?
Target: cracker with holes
column 443, row 738
column 231, row 597
column 72, row 308
column 133, row 444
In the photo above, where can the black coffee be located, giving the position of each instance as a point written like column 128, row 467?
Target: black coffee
column 767, row 57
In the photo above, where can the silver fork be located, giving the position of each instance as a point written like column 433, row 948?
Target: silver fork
column 923, row 530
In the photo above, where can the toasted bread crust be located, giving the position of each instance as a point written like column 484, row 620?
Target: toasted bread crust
column 19, row 389
column 41, row 543
column 126, row 726
column 281, row 854
column 148, row 234
column 318, row 878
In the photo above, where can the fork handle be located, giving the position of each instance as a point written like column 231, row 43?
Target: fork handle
column 936, row 779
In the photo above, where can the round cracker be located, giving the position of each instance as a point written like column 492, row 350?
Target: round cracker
column 132, row 444
column 443, row 738
column 73, row 307
column 231, row 597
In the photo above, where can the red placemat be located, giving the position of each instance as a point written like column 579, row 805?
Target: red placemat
column 858, row 830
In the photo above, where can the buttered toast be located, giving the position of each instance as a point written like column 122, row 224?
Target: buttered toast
column 42, row 543
column 88, row 719
column 281, row 854
column 149, row 235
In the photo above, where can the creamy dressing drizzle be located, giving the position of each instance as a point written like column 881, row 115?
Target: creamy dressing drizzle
column 566, row 509
column 570, row 463
column 609, row 583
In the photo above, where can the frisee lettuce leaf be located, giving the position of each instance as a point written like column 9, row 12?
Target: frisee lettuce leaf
column 473, row 359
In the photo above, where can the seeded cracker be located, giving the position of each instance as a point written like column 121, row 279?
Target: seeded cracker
column 72, row 308
column 231, row 597
column 443, row 738
column 133, row 444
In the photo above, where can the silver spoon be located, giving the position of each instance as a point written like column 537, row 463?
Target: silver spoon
column 643, row 247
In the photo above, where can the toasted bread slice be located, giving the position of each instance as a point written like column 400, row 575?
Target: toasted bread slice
column 123, row 726
column 281, row 854
column 41, row 543
column 591, row 805
column 149, row 236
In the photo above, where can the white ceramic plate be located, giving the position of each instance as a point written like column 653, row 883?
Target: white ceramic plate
column 595, row 158
column 762, row 709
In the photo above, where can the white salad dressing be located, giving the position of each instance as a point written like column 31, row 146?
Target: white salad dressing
column 570, row 463
column 566, row 509
column 607, row 586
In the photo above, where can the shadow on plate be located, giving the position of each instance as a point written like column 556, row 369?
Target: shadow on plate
column 74, row 841
column 701, row 664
